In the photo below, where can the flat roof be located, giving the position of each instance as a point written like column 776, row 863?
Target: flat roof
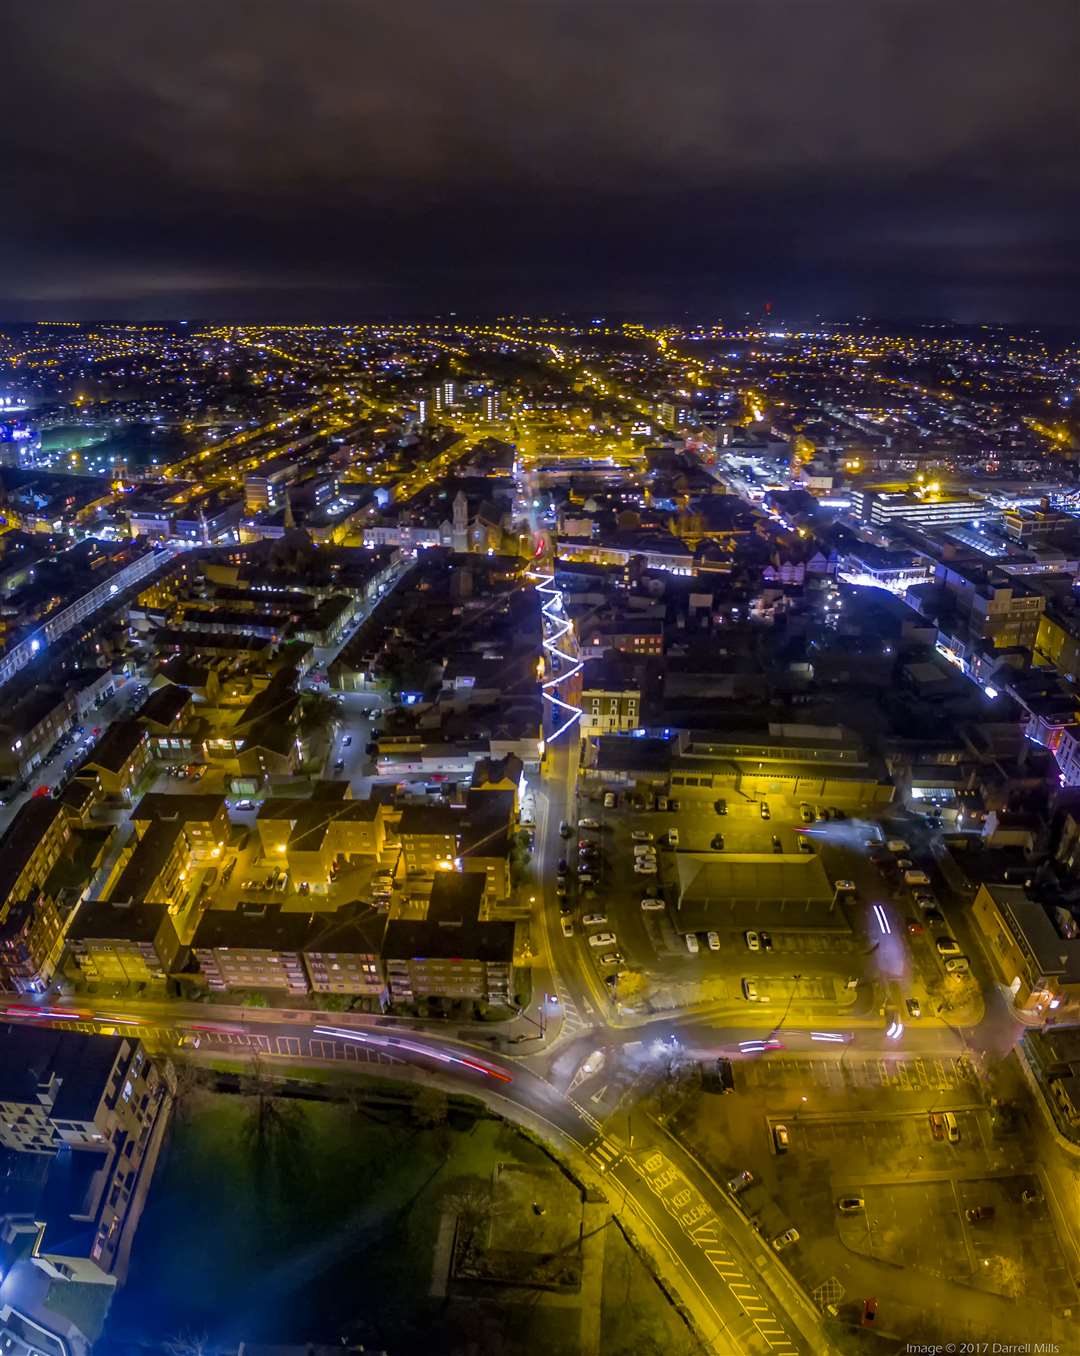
column 754, row 890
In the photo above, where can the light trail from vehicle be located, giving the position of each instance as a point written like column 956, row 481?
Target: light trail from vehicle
column 397, row 1043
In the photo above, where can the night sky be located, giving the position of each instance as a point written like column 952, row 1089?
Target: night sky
column 332, row 159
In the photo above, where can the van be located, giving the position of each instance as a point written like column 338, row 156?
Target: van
column 952, row 1130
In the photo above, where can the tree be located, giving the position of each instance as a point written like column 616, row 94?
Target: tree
column 431, row 1108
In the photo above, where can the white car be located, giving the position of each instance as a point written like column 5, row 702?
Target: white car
column 713, row 938
column 947, row 946
column 602, row 939
column 645, row 867
column 588, row 823
column 594, row 920
column 644, row 850
column 611, row 958
column 753, row 941
column 643, row 836
column 916, row 878
column 609, row 800
column 567, row 926
column 692, row 943
column 650, row 903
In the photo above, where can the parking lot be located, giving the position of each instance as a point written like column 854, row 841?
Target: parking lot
column 621, row 870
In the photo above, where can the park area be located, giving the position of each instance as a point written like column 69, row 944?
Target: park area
column 345, row 1219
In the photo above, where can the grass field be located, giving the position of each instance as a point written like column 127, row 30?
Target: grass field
column 324, row 1229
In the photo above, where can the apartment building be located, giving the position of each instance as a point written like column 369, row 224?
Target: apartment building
column 429, row 838
column 32, row 721
column 29, row 849
column 256, row 947
column 450, row 953
column 610, row 700
column 343, row 952
column 314, row 834
column 1040, row 968
column 626, row 636
column 203, row 816
column 122, row 942
column 32, row 937
column 96, row 1105
column 484, row 841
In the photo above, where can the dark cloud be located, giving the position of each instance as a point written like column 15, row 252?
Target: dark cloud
column 296, row 157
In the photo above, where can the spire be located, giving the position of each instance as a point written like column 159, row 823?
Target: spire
column 290, row 521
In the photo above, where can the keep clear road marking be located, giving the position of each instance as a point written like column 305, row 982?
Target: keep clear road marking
column 701, row 1225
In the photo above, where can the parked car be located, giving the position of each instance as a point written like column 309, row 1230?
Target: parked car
column 915, row 877
column 957, row 965
column 766, row 813
column 806, row 814
column 934, row 917
column 914, row 1007
column 588, row 823
column 594, row 920
column 753, row 941
column 713, row 938
column 781, row 1138
column 766, row 940
column 692, row 943
column 645, row 866
column 777, row 846
column 978, row 1213
column 718, row 842
column 611, row 958
column 851, row 1205
column 650, row 903
column 643, row 836
column 721, row 807
column 786, row 1239
column 937, row 1125
column 602, row 939
column 1031, row 1195
column 673, row 837
column 804, row 844
column 869, row 1312
column 947, row 946
column 610, row 800
column 740, row 1182
column 567, row 926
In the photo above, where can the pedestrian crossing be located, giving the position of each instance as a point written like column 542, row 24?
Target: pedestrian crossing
column 605, row 1154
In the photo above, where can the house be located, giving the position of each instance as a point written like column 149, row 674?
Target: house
column 119, row 759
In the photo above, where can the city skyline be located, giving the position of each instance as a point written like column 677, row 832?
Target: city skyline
column 827, row 158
